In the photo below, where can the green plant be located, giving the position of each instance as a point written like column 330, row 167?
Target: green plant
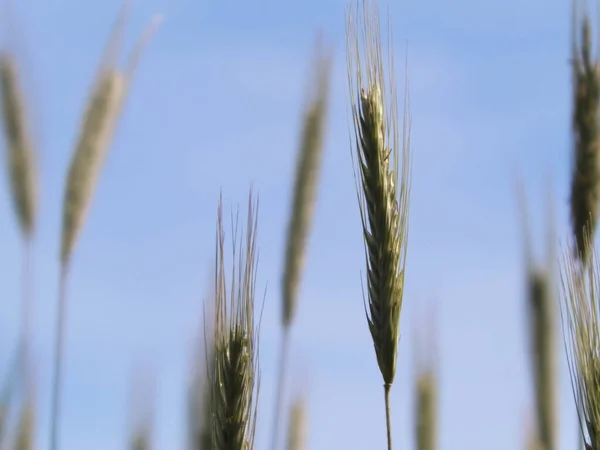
column 383, row 185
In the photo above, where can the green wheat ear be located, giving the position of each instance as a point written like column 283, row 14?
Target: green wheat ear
column 585, row 181
column 580, row 308
column 235, row 378
column 383, row 183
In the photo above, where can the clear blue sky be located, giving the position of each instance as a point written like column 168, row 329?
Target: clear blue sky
column 216, row 105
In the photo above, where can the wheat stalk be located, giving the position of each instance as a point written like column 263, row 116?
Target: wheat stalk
column 301, row 215
column 541, row 312
column 235, row 379
column 22, row 174
column 580, row 307
column 95, row 134
column 585, row 182
column 297, row 429
column 384, row 216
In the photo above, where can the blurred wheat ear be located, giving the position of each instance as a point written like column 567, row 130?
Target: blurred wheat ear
column 426, row 385
column 95, row 134
column 384, row 168
column 580, row 308
column 298, row 423
column 585, row 182
column 199, row 407
column 22, row 173
column 306, row 183
column 235, row 379
column 21, row 157
column 542, row 331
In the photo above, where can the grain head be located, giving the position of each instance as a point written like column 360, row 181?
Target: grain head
column 541, row 312
column 95, row 135
column 579, row 296
column 383, row 169
column 426, row 384
column 20, row 154
column 235, row 378
column 298, row 424
column 585, row 181
column 305, row 187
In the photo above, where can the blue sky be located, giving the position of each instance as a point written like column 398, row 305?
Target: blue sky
column 216, row 104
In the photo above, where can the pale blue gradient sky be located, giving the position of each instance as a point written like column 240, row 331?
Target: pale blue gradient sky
column 216, row 105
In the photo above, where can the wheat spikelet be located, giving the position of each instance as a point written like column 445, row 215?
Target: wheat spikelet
column 96, row 131
column 585, row 182
column 95, row 134
column 580, row 307
column 297, row 430
column 236, row 372
column 384, row 216
column 426, row 428
column 21, row 160
column 426, row 386
column 305, row 187
column 541, row 311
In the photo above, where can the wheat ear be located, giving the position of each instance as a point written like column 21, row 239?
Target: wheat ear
column 235, row 379
column 585, row 182
column 303, row 204
column 297, row 429
column 580, row 302
column 383, row 212
column 22, row 174
column 542, row 330
column 426, row 386
column 95, row 134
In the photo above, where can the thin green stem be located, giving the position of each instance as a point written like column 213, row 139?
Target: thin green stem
column 26, row 308
column 388, row 419
column 283, row 355
column 58, row 358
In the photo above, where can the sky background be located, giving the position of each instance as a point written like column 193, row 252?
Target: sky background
column 216, row 105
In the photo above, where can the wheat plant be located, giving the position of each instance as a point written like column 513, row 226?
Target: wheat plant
column 541, row 311
column 95, row 134
column 235, row 378
column 383, row 183
column 304, row 198
column 580, row 291
column 585, row 181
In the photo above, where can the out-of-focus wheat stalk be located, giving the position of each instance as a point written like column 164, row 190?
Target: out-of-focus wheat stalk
column 542, row 331
column 305, row 194
column 95, row 134
column 298, row 425
column 580, row 308
column 383, row 170
column 585, row 182
column 26, row 427
column 21, row 166
column 426, row 386
column 199, row 407
column 235, row 379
